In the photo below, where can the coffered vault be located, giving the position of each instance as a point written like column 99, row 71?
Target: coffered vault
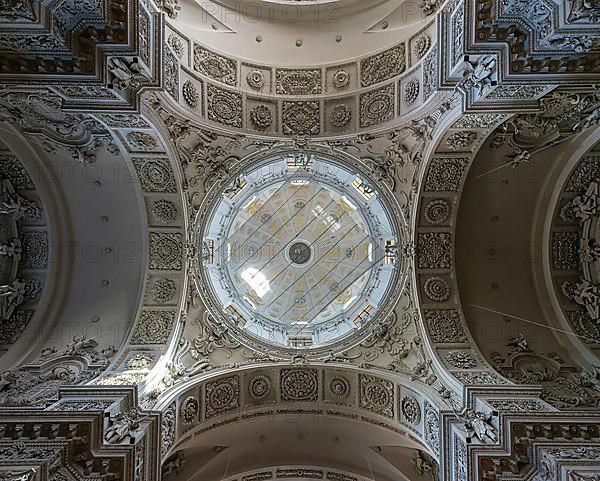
column 423, row 176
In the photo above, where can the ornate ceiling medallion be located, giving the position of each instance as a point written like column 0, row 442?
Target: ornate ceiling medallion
column 301, row 250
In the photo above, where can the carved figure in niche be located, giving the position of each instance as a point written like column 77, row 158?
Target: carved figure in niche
column 14, row 295
column 478, row 424
column 7, row 379
column 11, row 203
column 125, row 76
column 518, row 343
column 518, row 157
column 80, row 344
column 124, row 424
column 478, row 75
column 590, row 121
column 422, row 465
column 590, row 250
column 587, row 205
column 174, row 464
column 12, row 249
column 430, row 6
column 588, row 295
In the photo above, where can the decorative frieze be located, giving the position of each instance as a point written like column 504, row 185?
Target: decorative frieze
column 445, row 325
column 301, row 118
column 434, row 250
column 445, row 174
column 224, row 106
column 155, row 174
column 221, row 396
column 377, row 395
column 298, row 81
column 377, row 106
column 299, row 384
column 214, row 66
column 153, row 327
column 383, row 66
column 166, row 250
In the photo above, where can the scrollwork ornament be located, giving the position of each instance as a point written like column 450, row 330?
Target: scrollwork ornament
column 213, row 335
column 387, row 337
column 167, row 430
column 432, row 428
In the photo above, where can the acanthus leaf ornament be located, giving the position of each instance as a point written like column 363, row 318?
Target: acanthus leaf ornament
column 387, row 337
column 418, row 367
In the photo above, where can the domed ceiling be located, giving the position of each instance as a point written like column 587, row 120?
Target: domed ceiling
column 300, row 250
